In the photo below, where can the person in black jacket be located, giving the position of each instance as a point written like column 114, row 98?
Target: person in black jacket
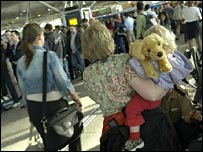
column 74, row 50
column 6, row 81
column 15, row 52
column 54, row 41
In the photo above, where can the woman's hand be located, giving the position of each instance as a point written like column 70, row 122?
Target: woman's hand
column 78, row 102
column 76, row 98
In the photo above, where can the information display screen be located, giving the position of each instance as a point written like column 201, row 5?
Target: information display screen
column 73, row 21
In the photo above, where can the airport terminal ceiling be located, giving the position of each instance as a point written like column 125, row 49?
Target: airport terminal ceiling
column 15, row 14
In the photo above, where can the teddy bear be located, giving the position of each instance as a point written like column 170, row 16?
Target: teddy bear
column 151, row 49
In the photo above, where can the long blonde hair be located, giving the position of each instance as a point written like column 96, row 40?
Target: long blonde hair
column 97, row 42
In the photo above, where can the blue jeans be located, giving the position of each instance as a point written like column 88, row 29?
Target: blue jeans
column 78, row 62
column 7, row 81
column 120, row 45
column 66, row 68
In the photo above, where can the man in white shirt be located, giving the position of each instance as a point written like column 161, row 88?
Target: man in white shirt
column 191, row 15
column 129, row 24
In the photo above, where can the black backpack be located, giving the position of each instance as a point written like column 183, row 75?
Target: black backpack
column 158, row 133
column 115, row 138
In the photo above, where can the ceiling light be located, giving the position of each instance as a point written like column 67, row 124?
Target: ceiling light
column 17, row 18
column 49, row 9
column 39, row 15
column 24, row 11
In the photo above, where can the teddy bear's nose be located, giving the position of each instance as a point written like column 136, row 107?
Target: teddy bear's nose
column 159, row 54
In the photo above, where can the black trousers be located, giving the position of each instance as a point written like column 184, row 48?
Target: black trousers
column 6, row 81
column 187, row 132
column 35, row 110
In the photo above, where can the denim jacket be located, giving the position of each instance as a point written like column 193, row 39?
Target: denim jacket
column 30, row 80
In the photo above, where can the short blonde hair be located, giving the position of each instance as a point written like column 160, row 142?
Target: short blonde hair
column 97, row 42
column 166, row 35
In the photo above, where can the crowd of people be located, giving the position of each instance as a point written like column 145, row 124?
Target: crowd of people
column 90, row 51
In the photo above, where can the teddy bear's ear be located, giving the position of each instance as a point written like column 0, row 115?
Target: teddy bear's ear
column 140, row 51
column 130, row 49
column 136, row 49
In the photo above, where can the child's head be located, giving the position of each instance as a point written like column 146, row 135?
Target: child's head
column 97, row 42
column 165, row 34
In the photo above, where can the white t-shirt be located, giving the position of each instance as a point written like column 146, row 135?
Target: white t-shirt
column 72, row 42
column 129, row 23
column 176, row 13
column 191, row 14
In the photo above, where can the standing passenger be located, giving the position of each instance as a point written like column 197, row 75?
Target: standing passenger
column 29, row 71
column 74, row 49
column 16, row 52
column 110, row 81
column 7, row 84
column 54, row 41
column 191, row 15
column 119, row 39
column 129, row 24
column 141, row 20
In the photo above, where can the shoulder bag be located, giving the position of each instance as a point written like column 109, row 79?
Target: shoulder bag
column 65, row 125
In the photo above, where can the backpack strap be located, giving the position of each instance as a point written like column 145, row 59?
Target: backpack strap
column 179, row 91
column 146, row 21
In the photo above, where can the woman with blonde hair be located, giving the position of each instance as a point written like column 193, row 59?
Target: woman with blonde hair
column 111, row 81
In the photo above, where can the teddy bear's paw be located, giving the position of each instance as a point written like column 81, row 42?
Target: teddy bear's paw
column 153, row 75
column 166, row 69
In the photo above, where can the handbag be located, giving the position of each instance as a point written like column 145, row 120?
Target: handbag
column 65, row 125
column 64, row 120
